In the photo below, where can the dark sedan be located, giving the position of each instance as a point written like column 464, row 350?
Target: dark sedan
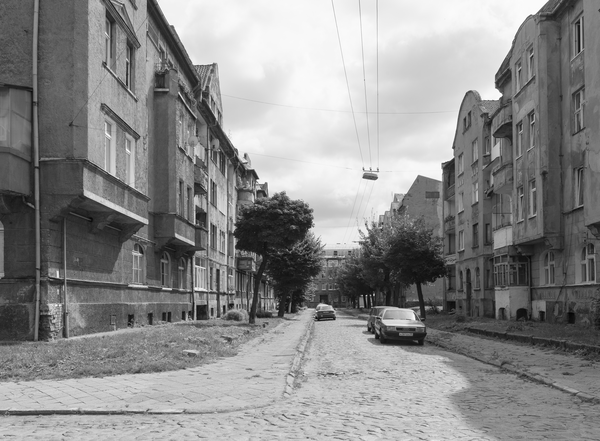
column 399, row 324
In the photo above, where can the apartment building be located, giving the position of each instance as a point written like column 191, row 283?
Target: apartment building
column 544, row 170
column 326, row 289
column 118, row 185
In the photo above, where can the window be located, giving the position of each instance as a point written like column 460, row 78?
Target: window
column 213, row 192
column 460, row 280
column 15, row 119
column 531, row 130
column 222, row 162
column 530, row 63
column 1, row 250
column 578, row 101
column 129, row 66
column 579, row 187
column 487, row 145
column 477, row 278
column 461, row 164
column 501, row 270
column 180, row 198
column 578, row 45
column 588, row 264
column 213, row 236
column 532, row 198
column 518, row 73
column 181, row 273
column 518, row 271
column 222, row 241
column 461, row 240
column 520, row 199
column 109, row 42
column 475, row 151
column 460, row 202
column 189, row 205
column 475, row 235
column 200, row 273
column 519, row 144
column 109, row 147
column 138, row 264
column 452, row 280
column 165, row 269
column 474, row 192
column 129, row 161
column 488, row 234
column 549, row 268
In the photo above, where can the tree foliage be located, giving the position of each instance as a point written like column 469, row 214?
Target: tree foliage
column 269, row 225
column 351, row 280
column 376, row 271
column 293, row 269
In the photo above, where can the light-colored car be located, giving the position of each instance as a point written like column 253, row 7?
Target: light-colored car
column 399, row 324
column 374, row 313
column 324, row 312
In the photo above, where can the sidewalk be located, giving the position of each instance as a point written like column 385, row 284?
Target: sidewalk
column 260, row 374
column 553, row 367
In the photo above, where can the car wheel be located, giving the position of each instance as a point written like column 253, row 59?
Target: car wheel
column 421, row 342
column 382, row 339
column 368, row 328
column 376, row 336
column 318, row 319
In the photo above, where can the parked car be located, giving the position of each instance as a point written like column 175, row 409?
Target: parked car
column 374, row 313
column 399, row 324
column 325, row 312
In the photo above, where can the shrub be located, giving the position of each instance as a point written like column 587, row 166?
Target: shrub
column 264, row 314
column 239, row 315
column 460, row 318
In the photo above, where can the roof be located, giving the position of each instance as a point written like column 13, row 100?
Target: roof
column 489, row 106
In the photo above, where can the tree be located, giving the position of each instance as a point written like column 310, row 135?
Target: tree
column 268, row 225
column 376, row 270
column 415, row 254
column 293, row 269
column 351, row 281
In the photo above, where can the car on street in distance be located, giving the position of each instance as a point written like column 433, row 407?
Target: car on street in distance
column 399, row 324
column 325, row 312
column 375, row 310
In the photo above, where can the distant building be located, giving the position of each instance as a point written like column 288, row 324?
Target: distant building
column 326, row 289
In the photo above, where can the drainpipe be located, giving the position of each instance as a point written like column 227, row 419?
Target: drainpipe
column 36, row 169
column 65, row 301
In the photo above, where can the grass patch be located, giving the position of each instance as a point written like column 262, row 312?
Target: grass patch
column 156, row 348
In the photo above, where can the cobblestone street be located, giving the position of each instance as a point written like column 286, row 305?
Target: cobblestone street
column 352, row 387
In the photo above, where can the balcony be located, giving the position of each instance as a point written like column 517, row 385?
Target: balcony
column 201, row 237
column 503, row 178
column 450, row 223
column 246, row 263
column 82, row 187
column 502, row 122
column 450, row 191
column 176, row 232
column 200, row 177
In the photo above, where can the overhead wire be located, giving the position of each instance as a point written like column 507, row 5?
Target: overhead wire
column 347, row 83
column 352, row 211
column 362, row 48
column 377, row 73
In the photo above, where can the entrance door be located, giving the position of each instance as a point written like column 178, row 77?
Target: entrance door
column 323, row 298
column 469, row 293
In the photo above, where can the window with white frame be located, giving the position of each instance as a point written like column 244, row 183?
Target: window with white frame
column 200, row 273
column 519, row 143
column 532, row 203
column 578, row 41
column 518, row 76
column 129, row 66
column 181, row 273
column 165, row 269
column 501, row 270
column 587, row 266
column 531, row 130
column 15, row 119
column 109, row 42
column 520, row 200
column 549, row 266
column 138, row 264
column 461, row 164
column 460, row 203
column 461, row 240
column 579, row 187
column 475, row 150
column 530, row 63
column 475, row 192
column 578, row 102
column 129, row 161
column 110, row 135
column 222, row 241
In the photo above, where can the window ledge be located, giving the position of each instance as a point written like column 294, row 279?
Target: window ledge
column 578, row 131
column 138, row 286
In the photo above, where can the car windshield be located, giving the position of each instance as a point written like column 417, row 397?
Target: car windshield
column 326, row 308
column 398, row 314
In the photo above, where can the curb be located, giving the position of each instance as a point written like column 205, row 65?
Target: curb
column 521, row 373
column 300, row 350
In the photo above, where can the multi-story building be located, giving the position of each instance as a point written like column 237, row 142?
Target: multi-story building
column 116, row 177
column 422, row 200
column 467, row 211
column 326, row 289
column 544, row 171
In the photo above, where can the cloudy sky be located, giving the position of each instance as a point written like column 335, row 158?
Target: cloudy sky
column 288, row 90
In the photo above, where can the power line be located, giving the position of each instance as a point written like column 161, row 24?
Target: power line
column 347, row 83
column 362, row 48
column 335, row 110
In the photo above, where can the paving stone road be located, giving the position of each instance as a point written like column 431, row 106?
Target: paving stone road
column 352, row 387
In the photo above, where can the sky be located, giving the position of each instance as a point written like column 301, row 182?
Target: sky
column 318, row 91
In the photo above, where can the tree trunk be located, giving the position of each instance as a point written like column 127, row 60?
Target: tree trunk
column 281, row 309
column 259, row 274
column 421, row 301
